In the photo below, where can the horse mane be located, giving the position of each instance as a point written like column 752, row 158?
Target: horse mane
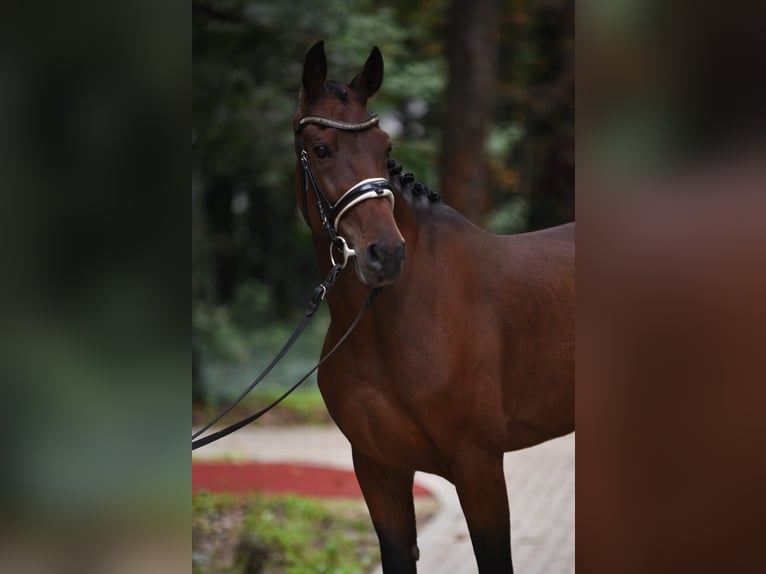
column 407, row 181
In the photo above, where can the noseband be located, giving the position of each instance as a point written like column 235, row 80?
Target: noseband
column 330, row 214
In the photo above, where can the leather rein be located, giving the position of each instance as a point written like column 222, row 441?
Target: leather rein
column 330, row 215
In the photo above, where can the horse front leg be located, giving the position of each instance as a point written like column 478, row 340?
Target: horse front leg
column 480, row 485
column 388, row 494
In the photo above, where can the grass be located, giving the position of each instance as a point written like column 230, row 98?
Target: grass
column 258, row 534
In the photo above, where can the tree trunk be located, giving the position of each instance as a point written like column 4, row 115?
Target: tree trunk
column 547, row 169
column 472, row 60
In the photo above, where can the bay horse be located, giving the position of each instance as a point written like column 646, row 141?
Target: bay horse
column 467, row 351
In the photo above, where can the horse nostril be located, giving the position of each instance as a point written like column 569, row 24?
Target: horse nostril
column 374, row 255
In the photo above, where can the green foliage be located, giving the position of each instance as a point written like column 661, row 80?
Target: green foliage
column 510, row 217
column 288, row 534
column 502, row 140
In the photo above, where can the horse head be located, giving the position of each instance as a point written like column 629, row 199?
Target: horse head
column 342, row 162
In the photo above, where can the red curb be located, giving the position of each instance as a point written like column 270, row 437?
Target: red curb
column 241, row 478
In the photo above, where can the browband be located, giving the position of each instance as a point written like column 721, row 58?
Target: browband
column 338, row 125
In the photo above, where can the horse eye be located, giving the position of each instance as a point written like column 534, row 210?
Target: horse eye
column 321, row 151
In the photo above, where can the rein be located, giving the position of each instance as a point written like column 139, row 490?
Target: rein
column 314, row 302
column 330, row 215
column 255, row 416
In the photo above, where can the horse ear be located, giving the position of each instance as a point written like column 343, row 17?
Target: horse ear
column 314, row 70
column 369, row 79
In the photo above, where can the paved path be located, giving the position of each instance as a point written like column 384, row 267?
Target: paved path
column 540, row 488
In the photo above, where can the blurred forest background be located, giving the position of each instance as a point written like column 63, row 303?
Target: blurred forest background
column 478, row 97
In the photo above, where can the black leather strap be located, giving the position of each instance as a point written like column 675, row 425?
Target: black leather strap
column 378, row 186
column 314, row 302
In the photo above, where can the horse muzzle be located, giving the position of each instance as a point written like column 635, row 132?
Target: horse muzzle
column 381, row 263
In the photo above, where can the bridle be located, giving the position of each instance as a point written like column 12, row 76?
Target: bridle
column 330, row 214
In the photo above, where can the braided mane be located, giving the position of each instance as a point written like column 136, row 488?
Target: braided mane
column 407, row 180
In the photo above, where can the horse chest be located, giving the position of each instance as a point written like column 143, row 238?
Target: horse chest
column 381, row 427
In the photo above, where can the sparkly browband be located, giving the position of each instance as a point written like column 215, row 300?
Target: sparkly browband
column 338, row 125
